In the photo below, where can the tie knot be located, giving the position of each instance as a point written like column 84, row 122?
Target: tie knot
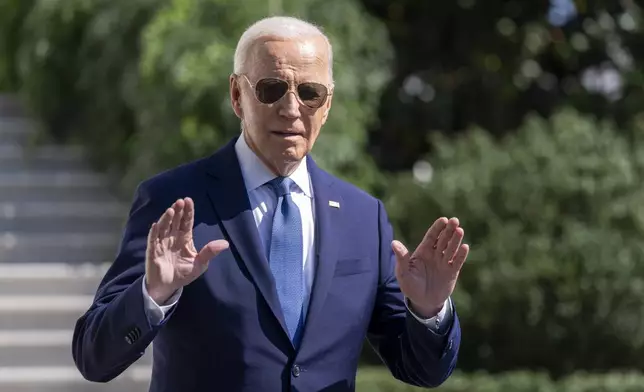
column 281, row 186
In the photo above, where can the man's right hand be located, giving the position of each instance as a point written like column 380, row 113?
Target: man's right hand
column 171, row 260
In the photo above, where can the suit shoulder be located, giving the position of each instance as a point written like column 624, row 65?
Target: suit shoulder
column 177, row 177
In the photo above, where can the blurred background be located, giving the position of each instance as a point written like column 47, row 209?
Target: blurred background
column 522, row 118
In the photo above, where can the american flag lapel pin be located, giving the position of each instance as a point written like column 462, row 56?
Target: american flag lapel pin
column 334, row 204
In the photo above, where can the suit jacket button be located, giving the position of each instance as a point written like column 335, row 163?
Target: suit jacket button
column 133, row 335
column 296, row 371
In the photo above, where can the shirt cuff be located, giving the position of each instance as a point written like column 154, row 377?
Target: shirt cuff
column 154, row 312
column 438, row 323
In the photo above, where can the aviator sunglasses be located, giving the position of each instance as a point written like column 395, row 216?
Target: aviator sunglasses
column 271, row 90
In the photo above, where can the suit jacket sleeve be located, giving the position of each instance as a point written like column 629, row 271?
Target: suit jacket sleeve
column 115, row 331
column 413, row 353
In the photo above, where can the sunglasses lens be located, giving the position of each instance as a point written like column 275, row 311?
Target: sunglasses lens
column 312, row 94
column 270, row 90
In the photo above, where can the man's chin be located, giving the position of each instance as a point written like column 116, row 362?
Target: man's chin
column 294, row 153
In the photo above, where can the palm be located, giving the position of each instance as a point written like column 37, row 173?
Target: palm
column 174, row 255
column 428, row 276
column 172, row 260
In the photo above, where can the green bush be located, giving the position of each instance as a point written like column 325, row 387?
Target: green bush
column 379, row 380
column 12, row 17
column 145, row 83
column 555, row 218
column 77, row 64
column 187, row 57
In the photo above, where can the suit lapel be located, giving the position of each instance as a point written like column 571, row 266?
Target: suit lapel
column 230, row 200
column 326, row 232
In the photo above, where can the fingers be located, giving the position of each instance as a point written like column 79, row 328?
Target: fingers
column 446, row 235
column 153, row 234
column 165, row 223
column 453, row 245
column 429, row 241
column 210, row 250
column 461, row 256
column 188, row 218
column 443, row 242
column 177, row 219
column 178, row 215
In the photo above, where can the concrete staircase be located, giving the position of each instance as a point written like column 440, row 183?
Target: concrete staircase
column 59, row 229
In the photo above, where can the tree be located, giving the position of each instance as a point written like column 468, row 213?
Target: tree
column 490, row 63
column 555, row 219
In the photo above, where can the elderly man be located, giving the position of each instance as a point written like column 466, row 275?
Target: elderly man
column 255, row 270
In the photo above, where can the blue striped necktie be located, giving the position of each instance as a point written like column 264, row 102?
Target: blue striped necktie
column 285, row 255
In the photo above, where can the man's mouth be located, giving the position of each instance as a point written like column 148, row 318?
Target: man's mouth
column 286, row 133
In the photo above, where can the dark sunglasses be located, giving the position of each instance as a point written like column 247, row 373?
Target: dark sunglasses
column 271, row 90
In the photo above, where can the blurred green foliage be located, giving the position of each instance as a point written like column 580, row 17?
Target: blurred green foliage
column 489, row 63
column 555, row 219
column 12, row 17
column 377, row 380
column 187, row 55
column 77, row 68
column 144, row 84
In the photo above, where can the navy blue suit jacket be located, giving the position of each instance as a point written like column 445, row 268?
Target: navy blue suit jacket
column 227, row 333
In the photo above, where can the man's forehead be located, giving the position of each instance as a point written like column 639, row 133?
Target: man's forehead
column 296, row 50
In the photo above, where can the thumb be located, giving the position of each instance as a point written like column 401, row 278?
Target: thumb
column 402, row 258
column 210, row 250
column 400, row 250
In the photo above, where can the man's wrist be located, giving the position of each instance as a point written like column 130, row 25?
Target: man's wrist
column 160, row 295
column 426, row 312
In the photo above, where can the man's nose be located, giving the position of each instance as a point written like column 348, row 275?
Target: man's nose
column 290, row 106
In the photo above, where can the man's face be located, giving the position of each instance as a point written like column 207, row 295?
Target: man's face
column 283, row 132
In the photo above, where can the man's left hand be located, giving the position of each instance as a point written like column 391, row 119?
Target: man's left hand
column 428, row 276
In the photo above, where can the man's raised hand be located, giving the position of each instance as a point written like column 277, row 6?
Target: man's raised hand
column 171, row 260
column 428, row 275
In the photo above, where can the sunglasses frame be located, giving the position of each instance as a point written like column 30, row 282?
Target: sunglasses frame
column 292, row 87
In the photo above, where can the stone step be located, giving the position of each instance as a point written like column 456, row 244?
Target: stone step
column 51, row 241
column 49, row 311
column 60, row 194
column 49, row 287
column 54, row 378
column 82, row 217
column 81, row 256
column 48, row 152
column 54, row 187
column 41, row 226
column 11, row 107
column 43, row 347
column 65, row 386
column 67, row 225
column 17, row 131
column 46, row 296
column 45, row 158
column 57, row 248
column 42, row 319
column 51, row 279
column 60, row 179
column 61, row 210
column 17, row 166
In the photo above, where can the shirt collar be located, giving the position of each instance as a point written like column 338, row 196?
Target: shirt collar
column 256, row 174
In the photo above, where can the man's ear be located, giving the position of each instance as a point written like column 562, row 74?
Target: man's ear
column 235, row 96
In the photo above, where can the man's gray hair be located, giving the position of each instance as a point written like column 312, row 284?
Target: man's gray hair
column 276, row 26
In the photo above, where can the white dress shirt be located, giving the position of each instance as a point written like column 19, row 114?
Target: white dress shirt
column 263, row 202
